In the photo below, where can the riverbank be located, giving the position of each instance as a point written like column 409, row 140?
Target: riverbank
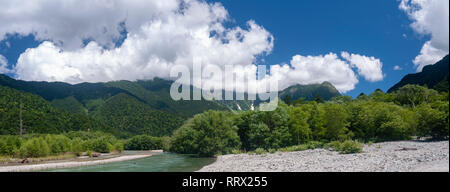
column 402, row 156
column 76, row 162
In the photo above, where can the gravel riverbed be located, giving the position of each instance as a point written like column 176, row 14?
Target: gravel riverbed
column 403, row 156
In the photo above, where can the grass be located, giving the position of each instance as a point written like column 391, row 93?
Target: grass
column 345, row 147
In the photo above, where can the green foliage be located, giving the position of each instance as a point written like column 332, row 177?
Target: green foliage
column 298, row 125
column 144, row 142
column 207, row 134
column 39, row 145
column 336, row 122
column 69, row 104
column 302, row 147
column 433, row 120
column 58, row 143
column 347, row 147
column 414, row 95
column 381, row 121
column 129, row 116
column 38, row 116
column 260, row 151
column 269, row 129
column 35, row 147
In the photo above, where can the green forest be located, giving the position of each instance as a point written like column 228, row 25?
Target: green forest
column 342, row 123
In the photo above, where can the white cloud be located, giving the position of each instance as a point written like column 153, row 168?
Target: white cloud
column 160, row 35
column 430, row 17
column 70, row 22
column 4, row 65
column 397, row 68
column 152, row 50
column 368, row 67
column 428, row 55
column 316, row 69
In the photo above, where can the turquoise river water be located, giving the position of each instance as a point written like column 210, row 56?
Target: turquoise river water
column 165, row 162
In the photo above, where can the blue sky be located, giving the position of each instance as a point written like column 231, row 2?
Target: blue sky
column 317, row 27
column 366, row 27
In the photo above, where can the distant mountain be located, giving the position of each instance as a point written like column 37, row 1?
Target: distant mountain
column 433, row 76
column 39, row 116
column 325, row 90
column 125, row 108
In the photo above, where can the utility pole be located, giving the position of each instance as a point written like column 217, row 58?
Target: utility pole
column 89, row 121
column 21, row 120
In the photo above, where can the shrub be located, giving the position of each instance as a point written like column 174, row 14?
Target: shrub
column 235, row 151
column 144, row 142
column 347, row 147
column 260, row 151
column 207, row 134
column 35, row 147
column 118, row 146
column 58, row 143
column 89, row 153
column 101, row 145
column 272, row 150
column 77, row 146
column 433, row 122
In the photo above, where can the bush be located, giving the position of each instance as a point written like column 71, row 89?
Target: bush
column 144, row 142
column 58, row 143
column 101, row 145
column 433, row 122
column 9, row 145
column 235, row 151
column 378, row 121
column 270, row 129
column 119, row 146
column 89, row 153
column 36, row 147
column 77, row 146
column 207, row 134
column 347, row 147
column 260, row 151
column 272, row 150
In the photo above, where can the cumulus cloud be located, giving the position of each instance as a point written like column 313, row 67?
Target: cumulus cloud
column 316, row 69
column 69, row 23
column 153, row 49
column 160, row 34
column 368, row 67
column 430, row 17
column 4, row 65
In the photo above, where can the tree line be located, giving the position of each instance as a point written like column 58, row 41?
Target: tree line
column 410, row 111
column 43, row 145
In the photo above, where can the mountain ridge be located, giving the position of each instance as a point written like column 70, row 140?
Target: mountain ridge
column 430, row 76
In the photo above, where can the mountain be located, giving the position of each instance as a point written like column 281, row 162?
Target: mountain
column 433, row 76
column 129, row 116
column 325, row 90
column 39, row 116
column 128, row 108
column 124, row 108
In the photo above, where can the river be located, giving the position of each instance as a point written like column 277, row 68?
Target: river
column 164, row 162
